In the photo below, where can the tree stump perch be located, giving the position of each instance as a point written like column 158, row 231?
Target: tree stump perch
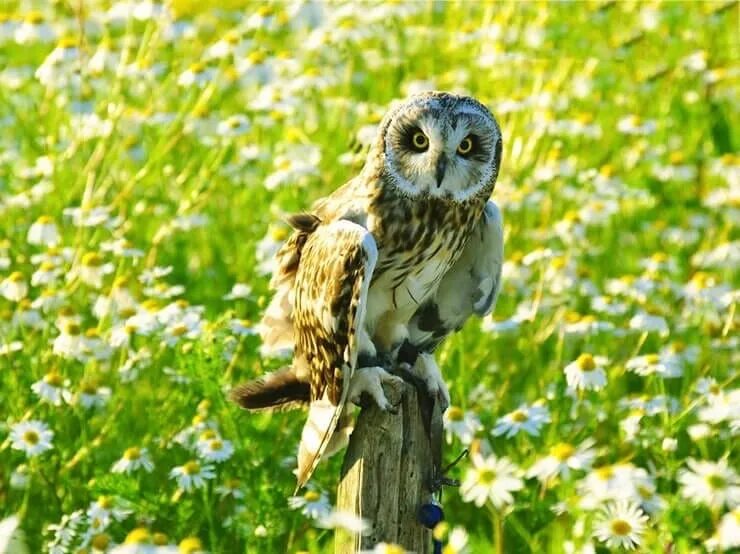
column 387, row 471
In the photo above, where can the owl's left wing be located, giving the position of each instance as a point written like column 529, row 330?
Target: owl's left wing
column 470, row 286
column 331, row 289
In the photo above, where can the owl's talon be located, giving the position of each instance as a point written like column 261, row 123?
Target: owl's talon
column 426, row 368
column 370, row 380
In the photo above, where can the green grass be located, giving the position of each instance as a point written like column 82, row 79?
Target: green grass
column 561, row 79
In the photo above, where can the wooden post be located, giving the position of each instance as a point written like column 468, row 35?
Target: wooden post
column 386, row 474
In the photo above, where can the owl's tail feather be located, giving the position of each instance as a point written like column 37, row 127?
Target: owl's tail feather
column 280, row 389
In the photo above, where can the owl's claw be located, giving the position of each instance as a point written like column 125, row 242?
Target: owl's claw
column 426, row 368
column 370, row 380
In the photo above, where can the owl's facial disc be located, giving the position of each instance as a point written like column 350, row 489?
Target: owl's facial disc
column 443, row 148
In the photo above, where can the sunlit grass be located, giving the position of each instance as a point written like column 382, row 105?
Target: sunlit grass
column 619, row 190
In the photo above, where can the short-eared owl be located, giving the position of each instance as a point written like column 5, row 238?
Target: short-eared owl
column 380, row 271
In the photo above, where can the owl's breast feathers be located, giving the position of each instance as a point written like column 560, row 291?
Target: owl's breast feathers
column 414, row 233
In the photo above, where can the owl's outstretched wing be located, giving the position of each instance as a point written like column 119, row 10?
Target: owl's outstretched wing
column 470, row 286
column 331, row 288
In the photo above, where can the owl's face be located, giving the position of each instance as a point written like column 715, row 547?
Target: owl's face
column 443, row 145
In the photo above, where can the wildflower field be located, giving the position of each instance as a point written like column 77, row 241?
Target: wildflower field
column 148, row 155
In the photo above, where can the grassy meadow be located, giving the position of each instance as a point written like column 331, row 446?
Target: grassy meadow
column 148, row 155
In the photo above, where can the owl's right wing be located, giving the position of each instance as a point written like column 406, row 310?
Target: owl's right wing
column 331, row 289
column 470, row 286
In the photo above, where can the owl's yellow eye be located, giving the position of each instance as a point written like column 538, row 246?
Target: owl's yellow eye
column 419, row 141
column 465, row 147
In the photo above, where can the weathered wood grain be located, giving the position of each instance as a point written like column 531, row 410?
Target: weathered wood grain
column 386, row 471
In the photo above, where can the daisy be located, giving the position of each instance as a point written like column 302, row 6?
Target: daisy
column 233, row 126
column 46, row 274
column 14, row 287
column 464, row 425
column 239, row 291
column 525, row 418
column 586, row 372
column 91, row 395
column 93, row 269
column 33, row 437
column 344, row 520
column 231, row 487
column 215, row 450
column 666, row 366
column 69, row 342
column 192, row 475
column 491, row 479
column 52, row 389
column 44, row 232
column 712, row 483
column 105, row 511
column 649, row 323
column 562, row 459
column 312, row 504
column 133, row 459
column 12, row 539
column 727, row 536
column 622, row 524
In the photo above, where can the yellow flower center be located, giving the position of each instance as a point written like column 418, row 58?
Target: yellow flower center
column 72, row 329
column 34, row 18
column 486, row 476
column 678, row 347
column 676, row 157
column 15, row 277
column 208, row 434
column 644, row 491
column 279, row 233
column 621, row 527
column 197, row 68
column 562, row 451
column 92, row 259
column 716, row 482
column 455, row 414
column 394, row 549
column 519, row 416
column 31, row 437
column 179, row 330
column 652, row 359
column 140, row 535
column 133, row 453
column 100, row 541
column 311, row 496
column 605, row 473
column 256, row 57
column 160, row 539
column 191, row 468
column 586, row 362
column 559, row 262
column 105, row 502
column 45, row 220
column 189, row 545
column 53, row 378
column 216, row 445
column 441, row 531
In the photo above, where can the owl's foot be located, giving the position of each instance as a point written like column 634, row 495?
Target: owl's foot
column 370, row 380
column 426, row 369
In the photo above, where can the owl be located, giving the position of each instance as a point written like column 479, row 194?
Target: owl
column 379, row 272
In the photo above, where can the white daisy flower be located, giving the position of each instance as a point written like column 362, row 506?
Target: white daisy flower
column 233, row 126
column 133, row 459
column 215, row 450
column 491, row 479
column 348, row 521
column 622, row 524
column 52, row 389
column 563, row 458
column 525, row 418
column 727, row 536
column 198, row 74
column 33, row 437
column 586, row 372
column 464, row 425
column 12, row 539
column 649, row 323
column 192, row 475
column 69, row 343
column 666, row 366
column 14, row 287
column 312, row 504
column 232, row 488
column 93, row 269
column 239, row 291
column 712, row 483
column 43, row 232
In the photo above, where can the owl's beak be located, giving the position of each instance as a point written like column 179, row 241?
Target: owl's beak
column 441, row 167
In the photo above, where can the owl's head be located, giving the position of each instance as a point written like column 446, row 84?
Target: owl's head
column 440, row 144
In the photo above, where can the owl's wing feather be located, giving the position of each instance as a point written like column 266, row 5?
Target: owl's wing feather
column 331, row 289
column 470, row 286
